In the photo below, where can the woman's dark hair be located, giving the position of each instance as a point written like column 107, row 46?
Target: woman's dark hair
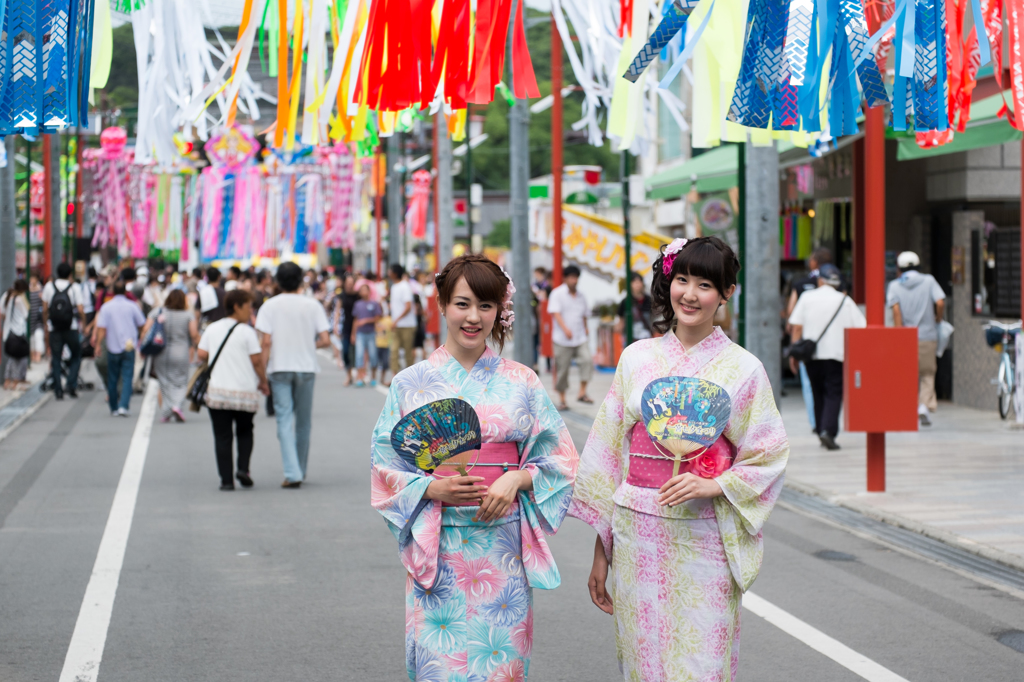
column 20, row 286
column 289, row 277
column 487, row 282
column 706, row 257
column 236, row 298
column 175, row 300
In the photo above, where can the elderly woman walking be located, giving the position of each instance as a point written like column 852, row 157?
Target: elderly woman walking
column 172, row 364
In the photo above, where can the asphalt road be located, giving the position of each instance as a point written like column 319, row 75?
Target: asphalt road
column 304, row 585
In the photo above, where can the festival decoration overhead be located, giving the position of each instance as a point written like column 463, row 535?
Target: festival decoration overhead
column 45, row 65
column 107, row 168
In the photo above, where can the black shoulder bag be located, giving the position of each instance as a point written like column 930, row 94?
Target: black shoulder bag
column 201, row 379
column 804, row 349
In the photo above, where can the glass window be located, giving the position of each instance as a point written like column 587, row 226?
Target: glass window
column 995, row 275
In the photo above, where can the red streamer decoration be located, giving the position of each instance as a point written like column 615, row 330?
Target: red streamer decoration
column 524, row 81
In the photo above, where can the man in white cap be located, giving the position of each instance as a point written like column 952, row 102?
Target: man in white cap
column 917, row 300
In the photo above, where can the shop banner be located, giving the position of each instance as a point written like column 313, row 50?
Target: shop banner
column 594, row 242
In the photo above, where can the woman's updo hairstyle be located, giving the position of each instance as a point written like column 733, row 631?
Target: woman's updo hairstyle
column 486, row 280
column 706, row 257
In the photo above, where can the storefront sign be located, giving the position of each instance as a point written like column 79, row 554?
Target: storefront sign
column 593, row 241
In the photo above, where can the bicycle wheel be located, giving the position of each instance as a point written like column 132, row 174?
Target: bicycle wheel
column 1005, row 383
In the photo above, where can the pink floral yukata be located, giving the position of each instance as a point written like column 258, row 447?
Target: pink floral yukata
column 677, row 573
column 469, row 598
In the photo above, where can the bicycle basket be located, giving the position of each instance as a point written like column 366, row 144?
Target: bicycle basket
column 993, row 336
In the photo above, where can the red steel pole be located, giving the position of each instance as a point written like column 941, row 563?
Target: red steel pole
column 874, row 262
column 556, row 153
column 47, row 269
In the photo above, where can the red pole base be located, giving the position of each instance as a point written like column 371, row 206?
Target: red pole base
column 876, row 462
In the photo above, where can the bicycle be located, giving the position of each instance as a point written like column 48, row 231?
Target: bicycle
column 1002, row 337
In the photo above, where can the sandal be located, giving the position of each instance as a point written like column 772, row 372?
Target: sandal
column 585, row 399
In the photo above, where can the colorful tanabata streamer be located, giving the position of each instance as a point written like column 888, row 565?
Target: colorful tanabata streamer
column 232, row 197
column 45, row 65
column 108, row 198
column 416, row 216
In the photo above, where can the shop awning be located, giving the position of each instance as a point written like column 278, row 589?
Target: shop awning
column 983, row 130
column 712, row 171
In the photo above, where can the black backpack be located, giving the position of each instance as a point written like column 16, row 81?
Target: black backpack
column 62, row 313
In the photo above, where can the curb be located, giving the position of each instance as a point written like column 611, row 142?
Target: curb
column 951, row 539
column 45, row 396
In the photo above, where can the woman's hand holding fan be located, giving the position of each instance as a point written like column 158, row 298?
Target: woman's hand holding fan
column 456, row 490
column 441, row 438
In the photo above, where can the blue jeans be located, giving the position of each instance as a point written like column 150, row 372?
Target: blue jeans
column 805, row 386
column 120, row 366
column 293, row 407
column 366, row 344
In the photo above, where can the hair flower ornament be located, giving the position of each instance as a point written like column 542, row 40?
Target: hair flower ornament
column 669, row 256
column 507, row 315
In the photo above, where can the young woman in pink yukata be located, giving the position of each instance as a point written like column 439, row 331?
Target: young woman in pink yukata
column 682, row 548
column 477, row 551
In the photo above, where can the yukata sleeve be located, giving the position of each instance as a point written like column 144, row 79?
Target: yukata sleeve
column 601, row 471
column 753, row 483
column 550, row 456
column 396, row 489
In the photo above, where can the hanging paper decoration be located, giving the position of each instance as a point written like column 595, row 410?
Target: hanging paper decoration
column 108, row 167
column 416, row 216
column 233, row 200
column 45, row 65
column 338, row 231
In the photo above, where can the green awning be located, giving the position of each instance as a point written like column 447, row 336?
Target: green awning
column 983, row 130
column 714, row 171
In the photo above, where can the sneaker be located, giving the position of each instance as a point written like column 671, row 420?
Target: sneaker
column 178, row 415
column 122, row 412
column 373, row 383
column 114, row 413
column 828, row 442
column 226, row 486
column 359, row 384
column 925, row 421
column 73, row 394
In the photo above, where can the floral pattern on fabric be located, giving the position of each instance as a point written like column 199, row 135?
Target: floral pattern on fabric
column 678, row 572
column 469, row 599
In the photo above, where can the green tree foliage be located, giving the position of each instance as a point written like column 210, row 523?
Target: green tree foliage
column 500, row 234
column 490, row 159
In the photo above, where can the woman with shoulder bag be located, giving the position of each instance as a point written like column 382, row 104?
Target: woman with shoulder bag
column 236, row 379
column 14, row 309
column 172, row 363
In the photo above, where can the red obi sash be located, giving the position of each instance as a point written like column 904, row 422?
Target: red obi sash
column 650, row 467
column 494, row 460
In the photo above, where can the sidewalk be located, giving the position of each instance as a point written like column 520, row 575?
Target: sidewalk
column 960, row 481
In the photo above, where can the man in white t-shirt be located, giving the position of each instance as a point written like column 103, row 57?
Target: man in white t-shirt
column 63, row 312
column 822, row 314
column 292, row 327
column 569, row 312
column 403, row 316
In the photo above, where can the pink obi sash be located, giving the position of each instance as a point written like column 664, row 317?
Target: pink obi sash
column 494, row 459
column 650, row 467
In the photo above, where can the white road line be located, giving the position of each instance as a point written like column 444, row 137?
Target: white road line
column 82, row 663
column 856, row 663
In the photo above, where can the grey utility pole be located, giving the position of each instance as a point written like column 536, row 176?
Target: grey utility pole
column 396, row 178
column 760, row 296
column 519, row 198
column 8, row 223
column 445, row 202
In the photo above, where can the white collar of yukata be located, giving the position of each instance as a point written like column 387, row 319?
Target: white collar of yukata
column 713, row 344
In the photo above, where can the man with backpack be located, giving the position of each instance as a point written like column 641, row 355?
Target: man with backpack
column 63, row 312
